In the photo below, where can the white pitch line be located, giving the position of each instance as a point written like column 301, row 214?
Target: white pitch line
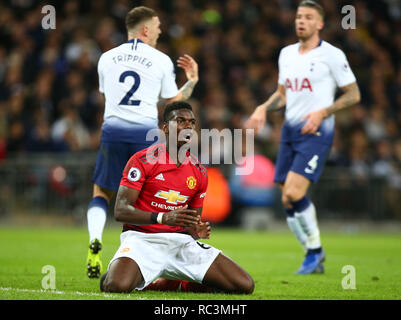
column 93, row 294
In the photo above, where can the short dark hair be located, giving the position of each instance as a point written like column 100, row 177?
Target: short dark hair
column 138, row 15
column 176, row 105
column 312, row 4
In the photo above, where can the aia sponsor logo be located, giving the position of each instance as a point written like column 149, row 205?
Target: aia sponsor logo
column 297, row 85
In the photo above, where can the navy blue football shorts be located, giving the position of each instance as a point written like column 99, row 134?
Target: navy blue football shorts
column 111, row 160
column 304, row 157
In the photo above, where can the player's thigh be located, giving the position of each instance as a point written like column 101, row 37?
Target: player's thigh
column 110, row 163
column 124, row 275
column 307, row 166
column 284, row 161
column 310, row 159
column 149, row 251
column 227, row 275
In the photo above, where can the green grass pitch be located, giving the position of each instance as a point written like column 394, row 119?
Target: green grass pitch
column 270, row 257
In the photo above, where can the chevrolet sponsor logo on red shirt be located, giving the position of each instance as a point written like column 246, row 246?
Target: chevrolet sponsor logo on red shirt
column 171, row 196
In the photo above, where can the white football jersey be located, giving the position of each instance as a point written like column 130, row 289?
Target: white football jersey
column 133, row 77
column 311, row 80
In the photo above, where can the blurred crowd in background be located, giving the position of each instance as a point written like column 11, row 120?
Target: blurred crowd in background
column 49, row 99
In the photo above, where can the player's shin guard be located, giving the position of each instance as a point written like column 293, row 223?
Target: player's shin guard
column 96, row 220
column 96, row 217
column 305, row 213
column 296, row 228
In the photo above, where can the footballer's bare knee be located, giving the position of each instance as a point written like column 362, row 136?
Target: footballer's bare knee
column 117, row 287
column 122, row 285
column 291, row 194
column 285, row 201
column 124, row 276
column 295, row 187
column 98, row 191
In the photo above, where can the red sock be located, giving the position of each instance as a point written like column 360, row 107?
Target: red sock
column 188, row 286
column 162, row 284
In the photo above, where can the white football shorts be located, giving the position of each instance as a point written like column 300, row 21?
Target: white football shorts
column 173, row 256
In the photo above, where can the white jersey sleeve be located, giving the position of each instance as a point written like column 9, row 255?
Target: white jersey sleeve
column 169, row 87
column 340, row 68
column 281, row 79
column 100, row 74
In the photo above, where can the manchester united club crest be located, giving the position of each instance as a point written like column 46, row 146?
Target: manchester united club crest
column 191, row 182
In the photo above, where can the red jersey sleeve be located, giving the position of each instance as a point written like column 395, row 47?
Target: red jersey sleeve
column 134, row 174
column 197, row 199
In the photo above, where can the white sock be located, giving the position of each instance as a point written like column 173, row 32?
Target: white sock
column 308, row 222
column 296, row 229
column 96, row 221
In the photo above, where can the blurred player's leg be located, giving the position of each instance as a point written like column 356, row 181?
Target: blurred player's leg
column 306, row 215
column 308, row 222
column 96, row 216
column 295, row 226
column 294, row 197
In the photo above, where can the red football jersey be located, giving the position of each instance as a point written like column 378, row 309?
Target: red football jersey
column 164, row 186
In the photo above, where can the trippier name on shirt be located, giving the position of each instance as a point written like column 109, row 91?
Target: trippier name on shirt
column 132, row 58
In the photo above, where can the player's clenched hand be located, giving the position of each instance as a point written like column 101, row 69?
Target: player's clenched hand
column 257, row 120
column 190, row 67
column 182, row 217
column 200, row 231
column 313, row 121
column 203, row 229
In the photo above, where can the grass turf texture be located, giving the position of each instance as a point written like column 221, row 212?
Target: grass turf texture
column 270, row 257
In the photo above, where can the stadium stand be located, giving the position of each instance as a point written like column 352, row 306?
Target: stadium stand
column 49, row 99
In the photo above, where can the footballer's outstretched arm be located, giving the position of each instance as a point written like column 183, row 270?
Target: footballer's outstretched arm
column 125, row 212
column 351, row 95
column 190, row 67
column 276, row 102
